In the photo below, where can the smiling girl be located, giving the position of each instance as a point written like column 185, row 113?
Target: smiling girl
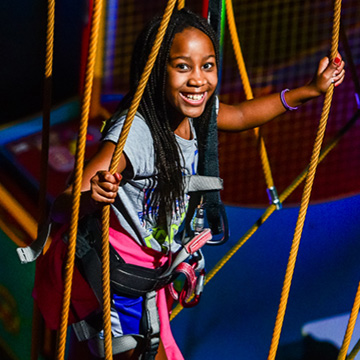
column 161, row 148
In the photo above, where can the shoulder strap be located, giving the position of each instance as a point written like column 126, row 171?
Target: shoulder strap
column 209, row 166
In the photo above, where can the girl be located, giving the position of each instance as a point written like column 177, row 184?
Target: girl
column 162, row 147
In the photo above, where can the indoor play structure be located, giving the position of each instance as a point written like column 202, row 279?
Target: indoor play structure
column 295, row 182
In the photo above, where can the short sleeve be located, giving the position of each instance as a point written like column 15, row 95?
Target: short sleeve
column 139, row 148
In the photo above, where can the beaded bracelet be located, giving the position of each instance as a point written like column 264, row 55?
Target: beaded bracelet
column 286, row 105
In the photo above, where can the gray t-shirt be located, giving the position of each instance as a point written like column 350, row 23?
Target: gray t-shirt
column 132, row 205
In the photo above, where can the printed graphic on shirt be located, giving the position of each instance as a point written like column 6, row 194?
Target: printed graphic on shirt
column 149, row 216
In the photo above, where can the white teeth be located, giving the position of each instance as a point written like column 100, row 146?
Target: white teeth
column 195, row 97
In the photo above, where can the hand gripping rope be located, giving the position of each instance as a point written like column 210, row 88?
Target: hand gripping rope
column 114, row 164
column 68, row 274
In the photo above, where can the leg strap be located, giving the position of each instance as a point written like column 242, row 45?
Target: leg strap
column 119, row 344
column 89, row 330
column 152, row 325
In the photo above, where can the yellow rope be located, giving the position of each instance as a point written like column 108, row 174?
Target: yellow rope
column 45, row 144
column 49, row 52
column 79, row 163
column 350, row 327
column 269, row 211
column 181, row 4
column 306, row 194
column 247, row 89
column 114, row 165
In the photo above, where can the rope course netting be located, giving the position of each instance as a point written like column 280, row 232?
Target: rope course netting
column 268, row 83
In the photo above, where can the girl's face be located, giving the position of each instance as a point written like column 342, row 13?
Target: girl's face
column 191, row 73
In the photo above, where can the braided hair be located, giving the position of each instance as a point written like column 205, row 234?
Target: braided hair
column 154, row 108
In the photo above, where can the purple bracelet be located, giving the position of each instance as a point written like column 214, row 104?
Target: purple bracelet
column 286, row 105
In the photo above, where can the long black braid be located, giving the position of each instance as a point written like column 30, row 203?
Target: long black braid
column 153, row 106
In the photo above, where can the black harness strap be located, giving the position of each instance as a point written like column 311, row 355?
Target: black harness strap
column 208, row 153
column 125, row 279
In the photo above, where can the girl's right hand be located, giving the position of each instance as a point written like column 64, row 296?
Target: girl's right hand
column 104, row 187
column 328, row 73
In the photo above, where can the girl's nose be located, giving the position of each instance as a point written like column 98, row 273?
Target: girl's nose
column 196, row 79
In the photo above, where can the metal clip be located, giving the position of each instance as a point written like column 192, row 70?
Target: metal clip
column 274, row 197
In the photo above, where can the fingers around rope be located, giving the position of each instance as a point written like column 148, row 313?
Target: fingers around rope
column 339, row 72
column 104, row 187
column 337, row 69
column 339, row 78
column 330, row 72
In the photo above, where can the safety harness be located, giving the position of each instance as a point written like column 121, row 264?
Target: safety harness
column 132, row 280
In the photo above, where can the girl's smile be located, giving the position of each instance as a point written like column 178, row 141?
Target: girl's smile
column 191, row 73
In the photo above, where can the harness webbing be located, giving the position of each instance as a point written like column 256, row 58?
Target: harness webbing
column 208, row 153
column 306, row 192
column 350, row 327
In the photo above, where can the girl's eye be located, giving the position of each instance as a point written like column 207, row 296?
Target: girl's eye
column 208, row 66
column 182, row 66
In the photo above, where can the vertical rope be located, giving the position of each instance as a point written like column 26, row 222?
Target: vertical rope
column 79, row 163
column 49, row 52
column 114, row 165
column 350, row 327
column 247, row 89
column 45, row 140
column 306, row 193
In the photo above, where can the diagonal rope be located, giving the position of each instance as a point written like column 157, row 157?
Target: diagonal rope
column 79, row 163
column 306, row 193
column 270, row 210
column 248, row 91
column 114, row 165
column 350, row 327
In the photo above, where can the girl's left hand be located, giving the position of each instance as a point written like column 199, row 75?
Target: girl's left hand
column 329, row 73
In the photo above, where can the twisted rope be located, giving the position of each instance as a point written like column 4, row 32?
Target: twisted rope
column 181, row 4
column 49, row 53
column 247, row 89
column 44, row 161
column 306, row 193
column 114, row 165
column 350, row 327
column 79, row 163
